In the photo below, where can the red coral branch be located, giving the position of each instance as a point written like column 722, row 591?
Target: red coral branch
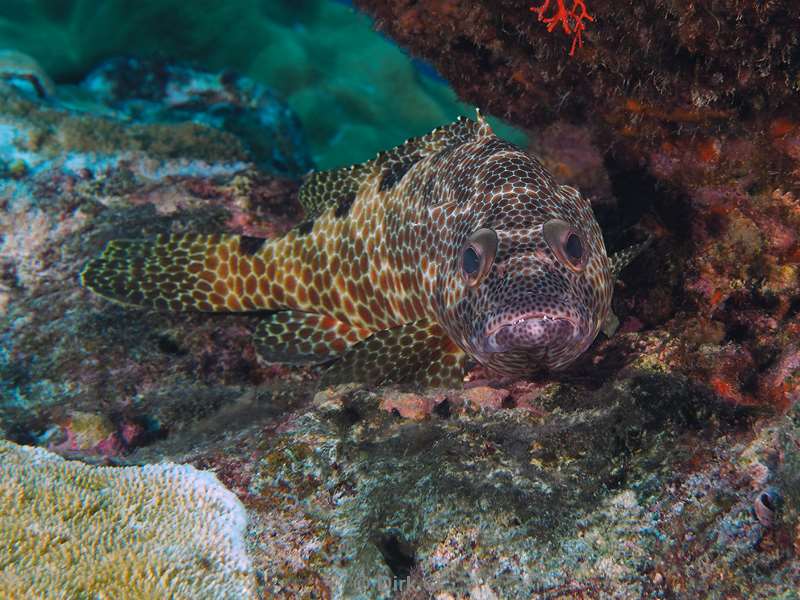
column 571, row 20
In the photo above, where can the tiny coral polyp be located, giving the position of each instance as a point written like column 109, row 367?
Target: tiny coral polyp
column 571, row 20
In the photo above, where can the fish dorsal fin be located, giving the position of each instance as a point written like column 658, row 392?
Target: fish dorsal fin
column 338, row 187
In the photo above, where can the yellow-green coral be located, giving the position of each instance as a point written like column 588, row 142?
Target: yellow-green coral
column 70, row 530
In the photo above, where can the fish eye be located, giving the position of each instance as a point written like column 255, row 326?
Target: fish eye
column 472, row 261
column 478, row 255
column 566, row 243
column 574, row 248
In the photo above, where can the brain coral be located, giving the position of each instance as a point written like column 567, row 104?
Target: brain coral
column 70, row 530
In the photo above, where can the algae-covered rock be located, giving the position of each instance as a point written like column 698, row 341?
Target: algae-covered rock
column 645, row 487
column 129, row 109
column 68, row 530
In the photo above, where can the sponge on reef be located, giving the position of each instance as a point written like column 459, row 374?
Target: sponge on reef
column 70, row 530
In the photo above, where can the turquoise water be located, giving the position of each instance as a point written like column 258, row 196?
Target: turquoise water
column 354, row 91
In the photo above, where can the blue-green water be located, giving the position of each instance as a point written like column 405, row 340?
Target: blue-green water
column 355, row 91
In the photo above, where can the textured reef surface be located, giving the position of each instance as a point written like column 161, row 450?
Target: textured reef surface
column 131, row 532
column 665, row 464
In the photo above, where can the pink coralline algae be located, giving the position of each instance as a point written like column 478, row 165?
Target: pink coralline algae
column 572, row 20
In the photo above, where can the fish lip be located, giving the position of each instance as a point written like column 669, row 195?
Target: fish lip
column 490, row 333
column 528, row 317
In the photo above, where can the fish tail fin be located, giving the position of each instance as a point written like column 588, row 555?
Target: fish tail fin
column 211, row 273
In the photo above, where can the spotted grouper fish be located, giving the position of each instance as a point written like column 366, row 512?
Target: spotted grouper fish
column 456, row 245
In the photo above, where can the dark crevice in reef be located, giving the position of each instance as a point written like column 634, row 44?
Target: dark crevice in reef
column 400, row 556
column 350, row 415
column 443, row 409
column 638, row 195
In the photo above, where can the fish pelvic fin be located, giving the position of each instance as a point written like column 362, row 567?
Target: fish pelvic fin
column 419, row 352
column 294, row 337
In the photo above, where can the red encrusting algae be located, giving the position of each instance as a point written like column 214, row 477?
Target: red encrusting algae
column 571, row 20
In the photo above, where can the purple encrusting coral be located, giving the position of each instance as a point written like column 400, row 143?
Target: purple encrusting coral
column 665, row 464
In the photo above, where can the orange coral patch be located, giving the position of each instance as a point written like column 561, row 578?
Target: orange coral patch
column 781, row 126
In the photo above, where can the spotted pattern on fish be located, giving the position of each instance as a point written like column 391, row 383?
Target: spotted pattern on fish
column 452, row 245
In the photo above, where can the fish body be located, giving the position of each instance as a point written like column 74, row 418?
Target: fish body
column 456, row 244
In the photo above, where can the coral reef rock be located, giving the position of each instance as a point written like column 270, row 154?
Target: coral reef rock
column 646, row 487
column 69, row 530
column 664, row 463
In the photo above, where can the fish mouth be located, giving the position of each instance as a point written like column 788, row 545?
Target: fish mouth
column 537, row 333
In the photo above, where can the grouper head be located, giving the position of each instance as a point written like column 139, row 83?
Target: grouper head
column 527, row 282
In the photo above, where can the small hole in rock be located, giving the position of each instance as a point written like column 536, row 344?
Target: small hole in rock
column 399, row 555
column 443, row 409
column 169, row 346
column 350, row 415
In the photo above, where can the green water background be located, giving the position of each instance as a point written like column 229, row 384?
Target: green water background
column 355, row 91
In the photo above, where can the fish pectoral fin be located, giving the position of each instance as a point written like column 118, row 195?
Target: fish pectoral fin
column 419, row 352
column 610, row 324
column 296, row 337
column 211, row 273
column 623, row 258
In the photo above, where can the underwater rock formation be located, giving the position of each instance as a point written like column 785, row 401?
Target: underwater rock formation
column 656, row 467
column 645, row 487
column 71, row 530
